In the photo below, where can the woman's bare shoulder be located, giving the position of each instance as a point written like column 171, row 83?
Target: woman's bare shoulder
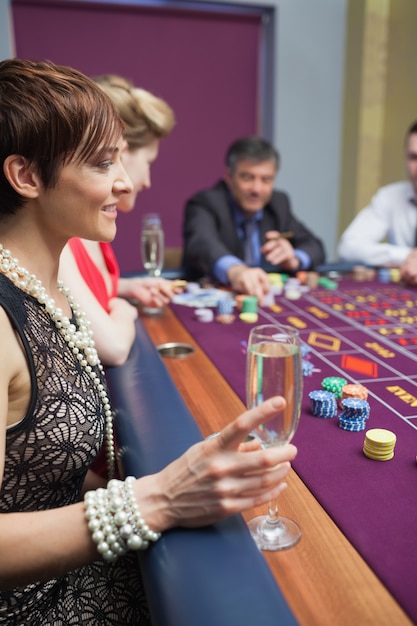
column 15, row 386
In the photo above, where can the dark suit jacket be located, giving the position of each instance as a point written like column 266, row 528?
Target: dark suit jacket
column 209, row 231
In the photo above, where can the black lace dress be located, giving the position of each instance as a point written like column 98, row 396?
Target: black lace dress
column 47, row 456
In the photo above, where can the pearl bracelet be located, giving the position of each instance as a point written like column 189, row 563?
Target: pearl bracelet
column 115, row 521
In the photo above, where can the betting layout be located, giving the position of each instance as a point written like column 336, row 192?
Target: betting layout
column 364, row 332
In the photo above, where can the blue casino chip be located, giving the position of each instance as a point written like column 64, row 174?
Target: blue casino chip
column 350, row 414
column 305, row 349
column 307, row 367
column 225, row 306
column 323, row 403
column 384, row 275
column 356, row 404
column 355, row 409
column 352, row 425
column 354, row 415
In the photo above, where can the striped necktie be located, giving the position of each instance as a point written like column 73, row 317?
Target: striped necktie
column 250, row 228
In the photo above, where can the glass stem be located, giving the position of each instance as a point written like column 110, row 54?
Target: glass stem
column 273, row 515
column 271, row 526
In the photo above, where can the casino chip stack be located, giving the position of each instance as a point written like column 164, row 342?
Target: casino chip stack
column 225, row 311
column 323, row 403
column 354, row 391
column 249, row 312
column 395, row 274
column 306, row 364
column 277, row 283
column 204, row 315
column 354, row 415
column 379, row 444
column 292, row 289
column 239, row 301
column 307, row 367
column 269, row 299
column 334, row 384
column 305, row 349
column 327, row 283
column 384, row 275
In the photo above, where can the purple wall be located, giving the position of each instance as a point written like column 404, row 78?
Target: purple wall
column 205, row 64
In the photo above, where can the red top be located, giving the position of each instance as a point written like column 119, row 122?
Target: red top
column 91, row 273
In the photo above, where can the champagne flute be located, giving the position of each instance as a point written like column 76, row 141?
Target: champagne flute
column 152, row 244
column 152, row 252
column 273, row 368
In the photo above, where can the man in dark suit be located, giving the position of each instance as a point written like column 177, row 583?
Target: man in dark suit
column 241, row 228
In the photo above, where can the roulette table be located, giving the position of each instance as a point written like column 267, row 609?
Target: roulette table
column 365, row 332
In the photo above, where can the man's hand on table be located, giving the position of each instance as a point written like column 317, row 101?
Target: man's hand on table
column 253, row 281
column 408, row 271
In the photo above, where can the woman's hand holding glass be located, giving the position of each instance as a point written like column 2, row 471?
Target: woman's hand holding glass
column 217, row 477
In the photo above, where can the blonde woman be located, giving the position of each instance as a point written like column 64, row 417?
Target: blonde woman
column 90, row 268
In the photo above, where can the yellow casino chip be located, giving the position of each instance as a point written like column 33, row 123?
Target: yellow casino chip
column 249, row 318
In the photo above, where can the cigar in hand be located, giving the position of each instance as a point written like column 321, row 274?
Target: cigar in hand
column 287, row 234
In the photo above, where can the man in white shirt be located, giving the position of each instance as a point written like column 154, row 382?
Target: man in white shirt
column 384, row 233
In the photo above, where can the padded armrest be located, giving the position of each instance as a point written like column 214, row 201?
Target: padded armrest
column 212, row 576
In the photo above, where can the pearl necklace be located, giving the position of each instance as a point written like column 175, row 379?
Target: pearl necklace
column 79, row 337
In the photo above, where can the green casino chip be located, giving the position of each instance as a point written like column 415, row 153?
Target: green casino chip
column 334, row 384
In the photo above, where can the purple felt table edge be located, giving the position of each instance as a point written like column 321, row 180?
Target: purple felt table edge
column 372, row 502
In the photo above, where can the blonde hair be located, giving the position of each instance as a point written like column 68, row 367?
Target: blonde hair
column 146, row 116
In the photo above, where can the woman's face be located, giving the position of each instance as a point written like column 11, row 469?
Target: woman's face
column 84, row 201
column 137, row 164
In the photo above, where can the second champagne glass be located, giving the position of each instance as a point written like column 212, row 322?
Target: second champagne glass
column 152, row 244
column 152, row 251
column 274, row 369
